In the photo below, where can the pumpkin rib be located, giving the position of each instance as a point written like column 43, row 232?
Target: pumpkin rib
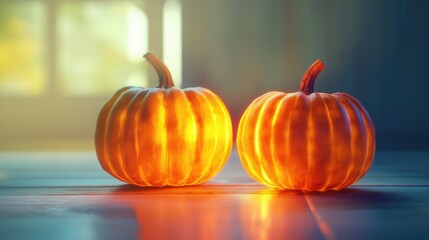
column 361, row 134
column 370, row 139
column 351, row 144
column 196, row 128
column 309, row 137
column 228, row 129
column 369, row 125
column 165, row 162
column 255, row 140
column 260, row 138
column 109, row 160
column 115, row 125
column 286, row 140
column 227, row 124
column 215, row 124
column 198, row 133
column 297, row 139
column 180, row 136
column 340, row 139
column 191, row 114
column 100, row 132
column 144, row 150
column 121, row 161
column 125, row 133
column 363, row 126
column 331, row 141
column 153, row 127
column 139, row 101
column 358, row 139
column 277, row 106
column 193, row 95
column 167, row 140
column 311, row 142
column 134, row 150
column 320, row 121
column 247, row 153
column 225, row 146
column 204, row 177
column 272, row 140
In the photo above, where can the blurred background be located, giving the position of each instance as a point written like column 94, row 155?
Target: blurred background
column 61, row 59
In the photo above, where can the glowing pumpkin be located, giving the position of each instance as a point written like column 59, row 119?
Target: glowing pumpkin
column 306, row 140
column 163, row 136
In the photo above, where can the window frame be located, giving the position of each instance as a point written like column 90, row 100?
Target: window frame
column 52, row 119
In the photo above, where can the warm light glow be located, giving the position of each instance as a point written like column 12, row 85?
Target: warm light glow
column 163, row 136
column 306, row 140
column 264, row 216
column 23, row 55
column 137, row 78
column 268, row 214
column 99, row 56
column 137, row 33
column 172, row 39
column 137, row 43
column 260, row 141
column 324, row 227
column 173, row 213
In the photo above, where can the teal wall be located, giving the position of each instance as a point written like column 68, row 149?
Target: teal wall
column 376, row 51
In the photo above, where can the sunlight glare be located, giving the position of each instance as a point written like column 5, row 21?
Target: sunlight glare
column 138, row 42
column 172, row 39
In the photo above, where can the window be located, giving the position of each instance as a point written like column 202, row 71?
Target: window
column 100, row 46
column 61, row 59
column 23, row 56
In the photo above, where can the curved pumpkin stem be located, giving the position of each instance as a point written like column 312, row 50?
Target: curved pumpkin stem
column 307, row 82
column 165, row 79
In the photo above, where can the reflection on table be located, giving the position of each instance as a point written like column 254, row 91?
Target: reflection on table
column 67, row 196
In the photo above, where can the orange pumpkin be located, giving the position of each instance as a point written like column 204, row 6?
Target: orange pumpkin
column 306, row 140
column 163, row 136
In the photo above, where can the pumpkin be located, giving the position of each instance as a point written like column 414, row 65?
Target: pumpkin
column 306, row 140
column 163, row 136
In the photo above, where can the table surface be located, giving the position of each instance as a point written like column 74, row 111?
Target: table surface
column 66, row 195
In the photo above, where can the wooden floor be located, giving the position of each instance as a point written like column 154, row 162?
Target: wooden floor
column 67, row 195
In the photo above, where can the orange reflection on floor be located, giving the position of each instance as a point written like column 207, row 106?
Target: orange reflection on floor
column 200, row 212
column 216, row 211
column 271, row 214
column 185, row 217
column 324, row 227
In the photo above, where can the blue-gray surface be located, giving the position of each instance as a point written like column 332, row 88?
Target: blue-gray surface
column 68, row 196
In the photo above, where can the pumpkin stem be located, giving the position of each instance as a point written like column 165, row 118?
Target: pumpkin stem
column 307, row 82
column 165, row 79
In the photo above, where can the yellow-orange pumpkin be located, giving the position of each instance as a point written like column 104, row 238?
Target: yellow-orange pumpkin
column 163, row 136
column 306, row 140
